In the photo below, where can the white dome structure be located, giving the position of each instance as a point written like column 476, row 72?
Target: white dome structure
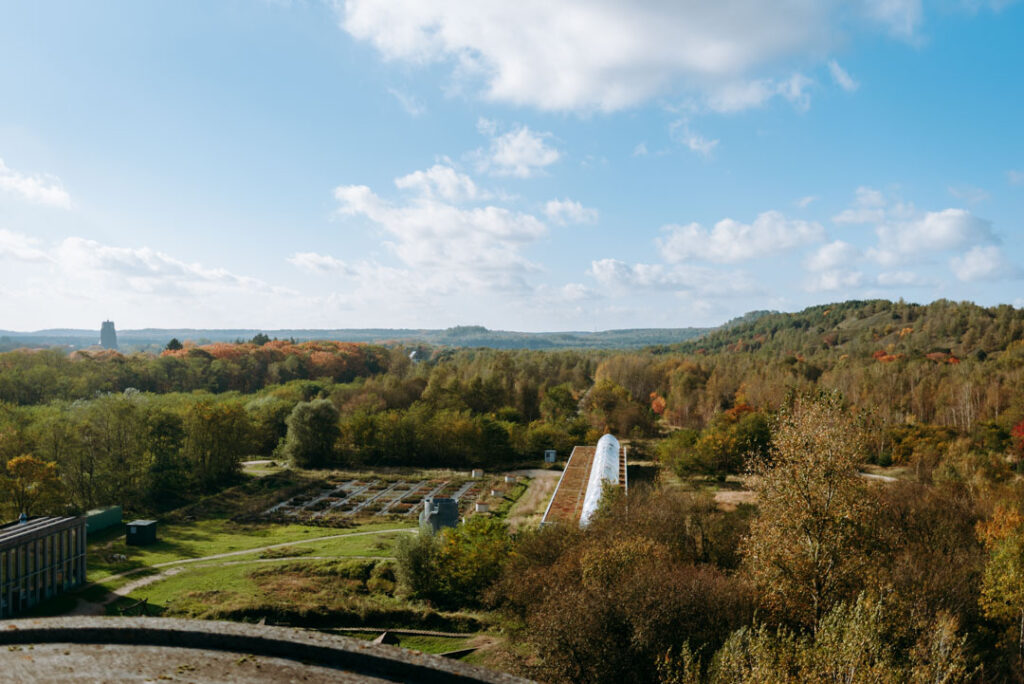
column 604, row 469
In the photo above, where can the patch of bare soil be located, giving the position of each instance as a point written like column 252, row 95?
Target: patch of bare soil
column 529, row 509
column 729, row 499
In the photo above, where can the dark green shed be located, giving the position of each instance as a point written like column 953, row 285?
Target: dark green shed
column 141, row 533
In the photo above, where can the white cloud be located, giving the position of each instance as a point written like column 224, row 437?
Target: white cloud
column 519, row 152
column 37, row 189
column 841, row 77
column 983, row 263
column 620, row 275
column 904, row 278
column 835, row 279
column 318, row 263
column 731, row 241
column 832, row 256
column 680, row 131
column 1014, row 177
column 869, row 207
column 21, row 247
column 610, row 54
column 431, row 234
column 933, row 231
column 737, row 96
column 568, row 211
column 640, row 150
column 440, row 181
column 805, row 202
column 900, row 17
column 410, row 104
column 145, row 270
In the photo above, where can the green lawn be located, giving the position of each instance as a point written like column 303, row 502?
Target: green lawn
column 211, row 537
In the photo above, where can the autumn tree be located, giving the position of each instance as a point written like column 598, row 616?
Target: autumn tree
column 803, row 550
column 29, row 484
column 1002, row 586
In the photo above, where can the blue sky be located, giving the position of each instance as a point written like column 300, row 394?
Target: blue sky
column 528, row 165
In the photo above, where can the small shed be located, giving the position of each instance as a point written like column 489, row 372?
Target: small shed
column 549, row 455
column 141, row 533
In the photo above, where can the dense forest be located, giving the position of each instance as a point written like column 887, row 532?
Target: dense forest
column 831, row 577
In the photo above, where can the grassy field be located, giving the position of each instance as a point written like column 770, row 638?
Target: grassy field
column 180, row 541
column 307, row 592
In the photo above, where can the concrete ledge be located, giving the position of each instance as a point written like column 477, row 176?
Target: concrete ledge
column 302, row 646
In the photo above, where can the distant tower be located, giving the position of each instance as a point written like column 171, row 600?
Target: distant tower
column 108, row 336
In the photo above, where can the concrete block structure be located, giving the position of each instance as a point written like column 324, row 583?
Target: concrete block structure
column 39, row 558
column 439, row 512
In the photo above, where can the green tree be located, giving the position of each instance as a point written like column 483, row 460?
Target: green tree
column 312, row 432
column 455, row 566
column 216, row 438
column 173, row 345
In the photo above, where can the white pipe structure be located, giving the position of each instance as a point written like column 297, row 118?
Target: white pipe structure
column 605, row 468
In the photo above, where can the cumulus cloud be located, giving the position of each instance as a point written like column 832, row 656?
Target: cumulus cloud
column 617, row 274
column 983, row 263
column 568, row 211
column 611, row 54
column 870, row 206
column 737, row 96
column 519, row 152
column 841, row 77
column 1014, row 177
column 21, row 247
column 832, row 256
column 440, row 181
column 84, row 269
column 38, row 189
column 834, row 279
column 933, row 231
column 732, row 241
column 440, row 235
column 145, row 270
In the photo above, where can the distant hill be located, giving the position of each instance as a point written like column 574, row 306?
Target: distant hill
column 154, row 339
column 872, row 327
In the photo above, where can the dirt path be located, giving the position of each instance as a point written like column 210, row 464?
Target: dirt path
column 529, row 509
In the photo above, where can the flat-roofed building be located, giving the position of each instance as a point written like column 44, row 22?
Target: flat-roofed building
column 39, row 559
